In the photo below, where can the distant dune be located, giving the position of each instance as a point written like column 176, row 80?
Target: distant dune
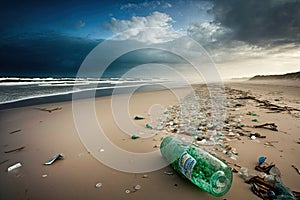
column 288, row 76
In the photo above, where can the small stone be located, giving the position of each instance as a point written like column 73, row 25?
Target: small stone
column 98, row 185
column 145, row 176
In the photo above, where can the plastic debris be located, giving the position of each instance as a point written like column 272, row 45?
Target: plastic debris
column 148, row 126
column 253, row 137
column 271, row 194
column 98, row 185
column 251, row 113
column 137, row 187
column 211, row 170
column 101, row 150
column 44, row 175
column 168, row 172
column 137, row 117
column 255, row 120
column 261, row 160
column 244, row 173
column 134, row 137
column 127, row 191
column 55, row 158
column 145, row 176
column 13, row 167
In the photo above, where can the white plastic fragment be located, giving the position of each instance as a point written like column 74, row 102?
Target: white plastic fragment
column 44, row 175
column 137, row 187
column 15, row 166
column 98, row 185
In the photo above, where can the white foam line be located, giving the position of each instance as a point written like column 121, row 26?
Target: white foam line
column 71, row 92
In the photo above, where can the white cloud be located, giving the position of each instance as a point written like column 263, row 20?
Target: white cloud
column 154, row 28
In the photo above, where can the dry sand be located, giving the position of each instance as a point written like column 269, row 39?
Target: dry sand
column 47, row 133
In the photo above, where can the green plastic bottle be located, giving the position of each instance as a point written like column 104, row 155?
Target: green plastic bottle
column 200, row 167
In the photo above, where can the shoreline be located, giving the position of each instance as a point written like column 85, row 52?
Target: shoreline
column 44, row 134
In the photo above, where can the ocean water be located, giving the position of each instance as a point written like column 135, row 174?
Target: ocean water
column 29, row 91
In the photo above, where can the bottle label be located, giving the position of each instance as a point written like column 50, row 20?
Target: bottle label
column 186, row 164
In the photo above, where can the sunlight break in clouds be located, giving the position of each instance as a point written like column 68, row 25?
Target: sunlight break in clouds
column 137, row 27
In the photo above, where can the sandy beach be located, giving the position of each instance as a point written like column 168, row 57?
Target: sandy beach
column 45, row 134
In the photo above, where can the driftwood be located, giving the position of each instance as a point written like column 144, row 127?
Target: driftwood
column 15, row 131
column 268, row 105
column 263, row 103
column 270, row 126
column 50, row 109
column 17, row 149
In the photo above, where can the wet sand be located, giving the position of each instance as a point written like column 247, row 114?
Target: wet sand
column 44, row 134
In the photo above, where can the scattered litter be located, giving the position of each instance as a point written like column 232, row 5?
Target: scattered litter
column 234, row 170
column 98, row 185
column 148, row 126
column 261, row 160
column 255, row 120
column 15, row 131
column 52, row 160
column 4, row 161
column 266, row 168
column 271, row 194
column 168, row 172
column 134, row 137
column 101, row 150
column 44, row 175
column 15, row 166
column 251, row 113
column 145, row 176
column 137, row 187
column 270, row 126
column 257, row 135
column 253, row 137
column 127, row 191
column 17, row 149
column 297, row 170
column 50, row 109
column 137, row 117
column 273, row 189
column 244, row 173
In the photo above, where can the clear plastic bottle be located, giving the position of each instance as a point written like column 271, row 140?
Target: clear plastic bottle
column 200, row 167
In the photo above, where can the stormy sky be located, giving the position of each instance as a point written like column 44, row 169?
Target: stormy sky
column 243, row 38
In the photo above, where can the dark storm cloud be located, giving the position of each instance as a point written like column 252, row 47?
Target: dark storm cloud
column 254, row 21
column 51, row 54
